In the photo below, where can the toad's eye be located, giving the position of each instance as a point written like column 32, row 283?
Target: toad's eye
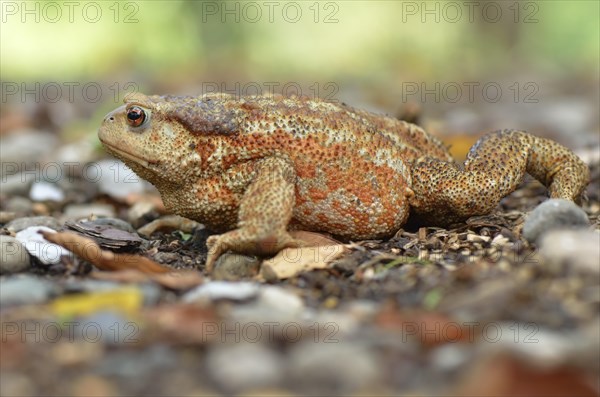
column 135, row 116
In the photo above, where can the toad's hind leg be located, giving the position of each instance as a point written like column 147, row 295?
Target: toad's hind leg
column 265, row 211
column 495, row 166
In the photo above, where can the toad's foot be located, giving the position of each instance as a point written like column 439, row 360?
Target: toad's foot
column 495, row 166
column 248, row 242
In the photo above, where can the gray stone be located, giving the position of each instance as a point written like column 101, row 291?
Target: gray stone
column 579, row 249
column 273, row 304
column 134, row 365
column 20, row 205
column 25, row 289
column 16, row 184
column 13, row 256
column 450, row 357
column 342, row 367
column 245, row 366
column 19, row 224
column 108, row 327
column 27, row 146
column 231, row 266
column 553, row 214
column 46, row 191
column 117, row 180
column 216, row 290
column 17, row 384
column 138, row 211
column 280, row 299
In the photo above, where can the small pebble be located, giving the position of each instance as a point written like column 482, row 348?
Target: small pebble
column 341, row 367
column 138, row 212
column 215, row 290
column 45, row 191
column 232, row 267
column 108, row 328
column 273, row 304
column 553, row 214
column 47, row 253
column 19, row 205
column 243, row 366
column 40, row 209
column 19, row 224
column 13, row 256
column 17, row 184
column 579, row 249
column 280, row 299
column 6, row 216
column 134, row 365
column 17, row 384
column 25, row 147
column 450, row 357
column 117, row 180
column 25, row 289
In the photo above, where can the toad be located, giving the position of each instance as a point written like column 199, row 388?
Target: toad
column 254, row 168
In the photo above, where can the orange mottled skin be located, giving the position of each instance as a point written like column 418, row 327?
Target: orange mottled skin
column 256, row 167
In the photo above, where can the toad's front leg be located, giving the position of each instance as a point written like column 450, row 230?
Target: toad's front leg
column 495, row 167
column 265, row 211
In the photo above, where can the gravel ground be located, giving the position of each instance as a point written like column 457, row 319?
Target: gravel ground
column 471, row 310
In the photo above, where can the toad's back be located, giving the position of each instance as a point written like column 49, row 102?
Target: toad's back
column 351, row 167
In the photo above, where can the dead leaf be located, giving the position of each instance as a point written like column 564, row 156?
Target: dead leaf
column 89, row 250
column 292, row 261
column 428, row 328
column 175, row 280
column 313, row 239
column 106, row 236
column 184, row 323
column 503, row 375
column 460, row 144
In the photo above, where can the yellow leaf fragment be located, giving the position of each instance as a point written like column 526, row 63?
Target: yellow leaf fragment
column 125, row 300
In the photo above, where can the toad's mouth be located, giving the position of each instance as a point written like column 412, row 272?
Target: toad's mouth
column 128, row 155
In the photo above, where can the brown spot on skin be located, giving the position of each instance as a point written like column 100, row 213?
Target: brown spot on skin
column 323, row 218
column 317, row 194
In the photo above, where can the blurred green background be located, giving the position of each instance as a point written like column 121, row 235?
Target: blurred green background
column 369, row 50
